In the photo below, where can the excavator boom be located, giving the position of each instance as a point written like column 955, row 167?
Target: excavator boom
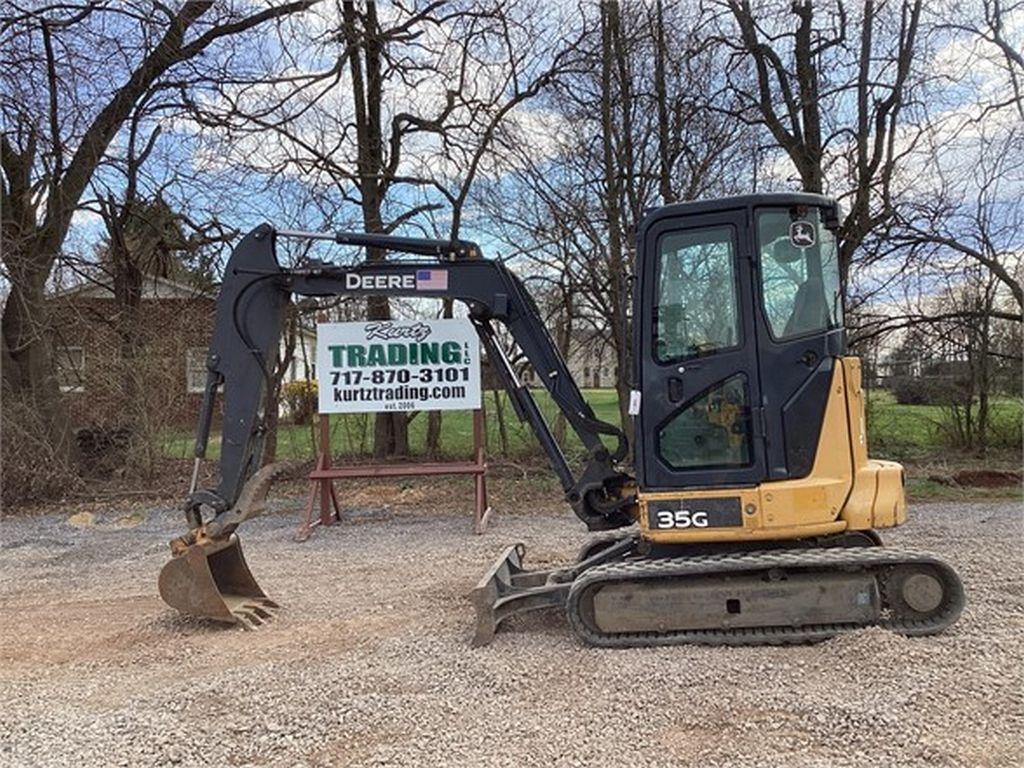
column 208, row 575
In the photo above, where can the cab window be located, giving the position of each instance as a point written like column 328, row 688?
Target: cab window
column 696, row 308
column 799, row 267
column 712, row 431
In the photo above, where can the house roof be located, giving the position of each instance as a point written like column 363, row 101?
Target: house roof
column 153, row 287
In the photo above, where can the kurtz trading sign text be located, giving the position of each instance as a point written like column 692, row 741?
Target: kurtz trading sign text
column 396, row 365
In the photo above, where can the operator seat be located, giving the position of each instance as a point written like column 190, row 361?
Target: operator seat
column 810, row 311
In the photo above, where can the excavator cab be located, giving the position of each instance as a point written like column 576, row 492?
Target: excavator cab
column 751, row 509
column 739, row 309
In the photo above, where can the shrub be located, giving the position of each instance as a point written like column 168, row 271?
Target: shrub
column 925, row 390
column 103, row 450
column 300, row 398
column 32, row 469
column 908, row 390
column 1006, row 429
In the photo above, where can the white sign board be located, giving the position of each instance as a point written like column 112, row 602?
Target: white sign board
column 397, row 365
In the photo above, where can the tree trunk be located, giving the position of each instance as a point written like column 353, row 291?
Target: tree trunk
column 613, row 211
column 434, row 418
column 433, row 434
column 271, row 422
column 665, row 153
column 127, row 285
column 28, row 375
column 984, row 373
column 499, row 412
column 272, row 395
column 365, row 51
column 135, row 415
column 563, row 338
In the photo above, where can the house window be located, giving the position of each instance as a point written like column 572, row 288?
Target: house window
column 70, row 368
column 195, row 369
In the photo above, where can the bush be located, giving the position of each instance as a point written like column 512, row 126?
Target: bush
column 32, row 469
column 103, row 450
column 924, row 390
column 908, row 390
column 1006, row 429
column 300, row 398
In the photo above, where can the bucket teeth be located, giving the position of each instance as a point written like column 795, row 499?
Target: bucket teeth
column 253, row 615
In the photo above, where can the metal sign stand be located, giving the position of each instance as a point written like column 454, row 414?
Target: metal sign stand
column 321, row 479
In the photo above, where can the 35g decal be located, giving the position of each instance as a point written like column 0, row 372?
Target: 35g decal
column 682, row 518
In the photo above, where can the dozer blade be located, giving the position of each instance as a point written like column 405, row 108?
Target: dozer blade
column 213, row 581
column 507, row 588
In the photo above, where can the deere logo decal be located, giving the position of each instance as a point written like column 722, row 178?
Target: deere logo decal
column 355, row 281
column 802, row 234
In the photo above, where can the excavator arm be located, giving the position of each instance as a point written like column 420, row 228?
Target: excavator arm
column 208, row 575
column 250, row 311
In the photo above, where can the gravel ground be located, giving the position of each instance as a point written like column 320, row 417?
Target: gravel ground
column 369, row 665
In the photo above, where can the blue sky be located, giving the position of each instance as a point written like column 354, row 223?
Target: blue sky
column 966, row 77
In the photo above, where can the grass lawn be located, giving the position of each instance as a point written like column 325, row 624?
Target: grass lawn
column 352, row 434
column 912, row 434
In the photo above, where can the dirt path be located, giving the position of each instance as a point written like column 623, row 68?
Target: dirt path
column 368, row 664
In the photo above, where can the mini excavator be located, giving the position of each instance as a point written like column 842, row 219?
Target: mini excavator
column 751, row 507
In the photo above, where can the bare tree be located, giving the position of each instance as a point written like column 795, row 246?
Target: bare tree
column 400, row 121
column 528, row 53
column 957, row 215
column 831, row 85
column 632, row 127
column 58, row 132
column 988, row 22
column 974, row 217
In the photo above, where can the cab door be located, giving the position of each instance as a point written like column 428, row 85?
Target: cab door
column 700, row 421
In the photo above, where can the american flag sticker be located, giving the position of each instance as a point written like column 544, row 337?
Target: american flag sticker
column 431, row 279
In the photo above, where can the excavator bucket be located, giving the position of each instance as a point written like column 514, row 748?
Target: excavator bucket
column 208, row 576
column 213, row 581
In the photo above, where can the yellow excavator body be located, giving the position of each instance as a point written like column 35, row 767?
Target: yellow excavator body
column 845, row 490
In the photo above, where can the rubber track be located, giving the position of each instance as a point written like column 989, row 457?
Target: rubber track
column 842, row 559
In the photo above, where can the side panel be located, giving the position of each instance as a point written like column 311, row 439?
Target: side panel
column 845, row 490
column 877, row 499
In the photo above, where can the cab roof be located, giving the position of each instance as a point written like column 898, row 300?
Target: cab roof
column 738, row 202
